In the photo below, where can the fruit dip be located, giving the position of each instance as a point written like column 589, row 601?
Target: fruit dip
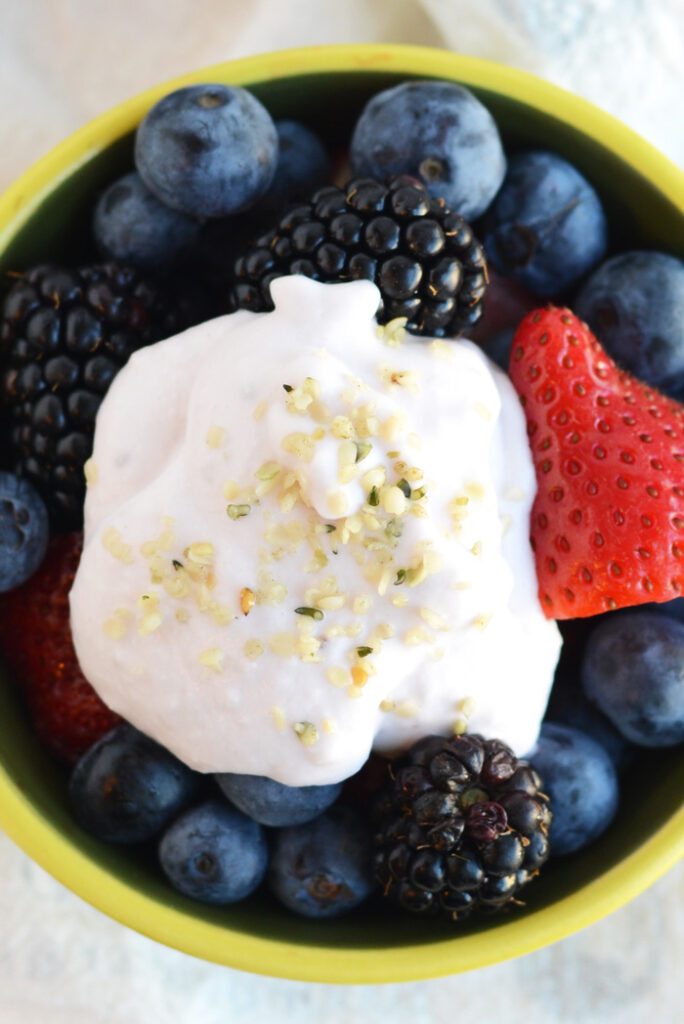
column 307, row 536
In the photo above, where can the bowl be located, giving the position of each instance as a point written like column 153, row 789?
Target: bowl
column 44, row 215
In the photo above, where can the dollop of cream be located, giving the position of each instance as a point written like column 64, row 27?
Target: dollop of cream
column 307, row 536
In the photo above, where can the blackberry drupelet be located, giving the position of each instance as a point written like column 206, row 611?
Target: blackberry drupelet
column 461, row 825
column 425, row 260
column 65, row 334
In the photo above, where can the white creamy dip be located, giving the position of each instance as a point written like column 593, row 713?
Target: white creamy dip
column 307, row 536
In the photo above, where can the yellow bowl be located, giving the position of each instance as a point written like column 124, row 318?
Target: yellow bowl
column 45, row 215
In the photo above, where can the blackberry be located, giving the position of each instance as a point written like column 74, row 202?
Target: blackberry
column 64, row 336
column 425, row 260
column 461, row 825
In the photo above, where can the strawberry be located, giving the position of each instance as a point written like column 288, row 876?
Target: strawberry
column 608, row 519
column 35, row 638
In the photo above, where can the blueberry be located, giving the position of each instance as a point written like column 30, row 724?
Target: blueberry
column 207, row 150
column 498, row 346
column 131, row 225
column 634, row 303
column 303, row 166
column 581, row 781
column 634, row 670
column 546, row 227
column 586, row 717
column 272, row 803
column 572, row 707
column 24, row 531
column 126, row 788
column 674, row 609
column 214, row 854
column 436, row 131
column 324, row 868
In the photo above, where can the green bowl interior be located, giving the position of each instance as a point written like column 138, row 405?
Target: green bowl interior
column 639, row 216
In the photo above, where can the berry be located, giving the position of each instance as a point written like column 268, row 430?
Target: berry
column 462, row 825
column 546, row 228
column 35, row 636
column 126, row 788
column 207, row 150
column 214, row 854
column 272, row 803
column 505, row 304
column 440, row 133
column 567, row 703
column 635, row 304
column 425, row 260
column 64, row 336
column 323, row 868
column 569, row 706
column 303, row 166
column 206, row 267
column 132, row 226
column 23, row 531
column 608, row 519
column 634, row 670
column 581, row 781
column 675, row 609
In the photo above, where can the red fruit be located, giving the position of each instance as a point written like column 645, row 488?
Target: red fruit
column 35, row 639
column 504, row 306
column 608, row 520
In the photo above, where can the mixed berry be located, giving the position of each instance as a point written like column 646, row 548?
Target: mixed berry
column 222, row 201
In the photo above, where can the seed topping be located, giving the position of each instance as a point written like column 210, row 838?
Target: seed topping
column 212, row 658
column 306, row 732
column 90, row 472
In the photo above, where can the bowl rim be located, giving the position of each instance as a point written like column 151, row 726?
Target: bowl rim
column 210, row 941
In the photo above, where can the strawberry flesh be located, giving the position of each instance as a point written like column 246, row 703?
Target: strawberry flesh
column 608, row 520
column 35, row 640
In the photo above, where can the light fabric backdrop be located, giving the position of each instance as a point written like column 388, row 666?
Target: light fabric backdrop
column 62, row 62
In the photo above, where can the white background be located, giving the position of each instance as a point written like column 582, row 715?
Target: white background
column 62, row 62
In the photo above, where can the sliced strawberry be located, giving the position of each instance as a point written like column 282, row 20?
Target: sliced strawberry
column 35, row 640
column 608, row 520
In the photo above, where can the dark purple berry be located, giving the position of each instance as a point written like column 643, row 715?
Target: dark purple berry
column 64, row 336
column 486, row 821
column 446, row 843
column 524, row 812
column 428, row 870
column 503, row 855
column 465, row 873
column 423, row 258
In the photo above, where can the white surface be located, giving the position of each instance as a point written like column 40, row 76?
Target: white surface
column 63, row 62
column 61, row 962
